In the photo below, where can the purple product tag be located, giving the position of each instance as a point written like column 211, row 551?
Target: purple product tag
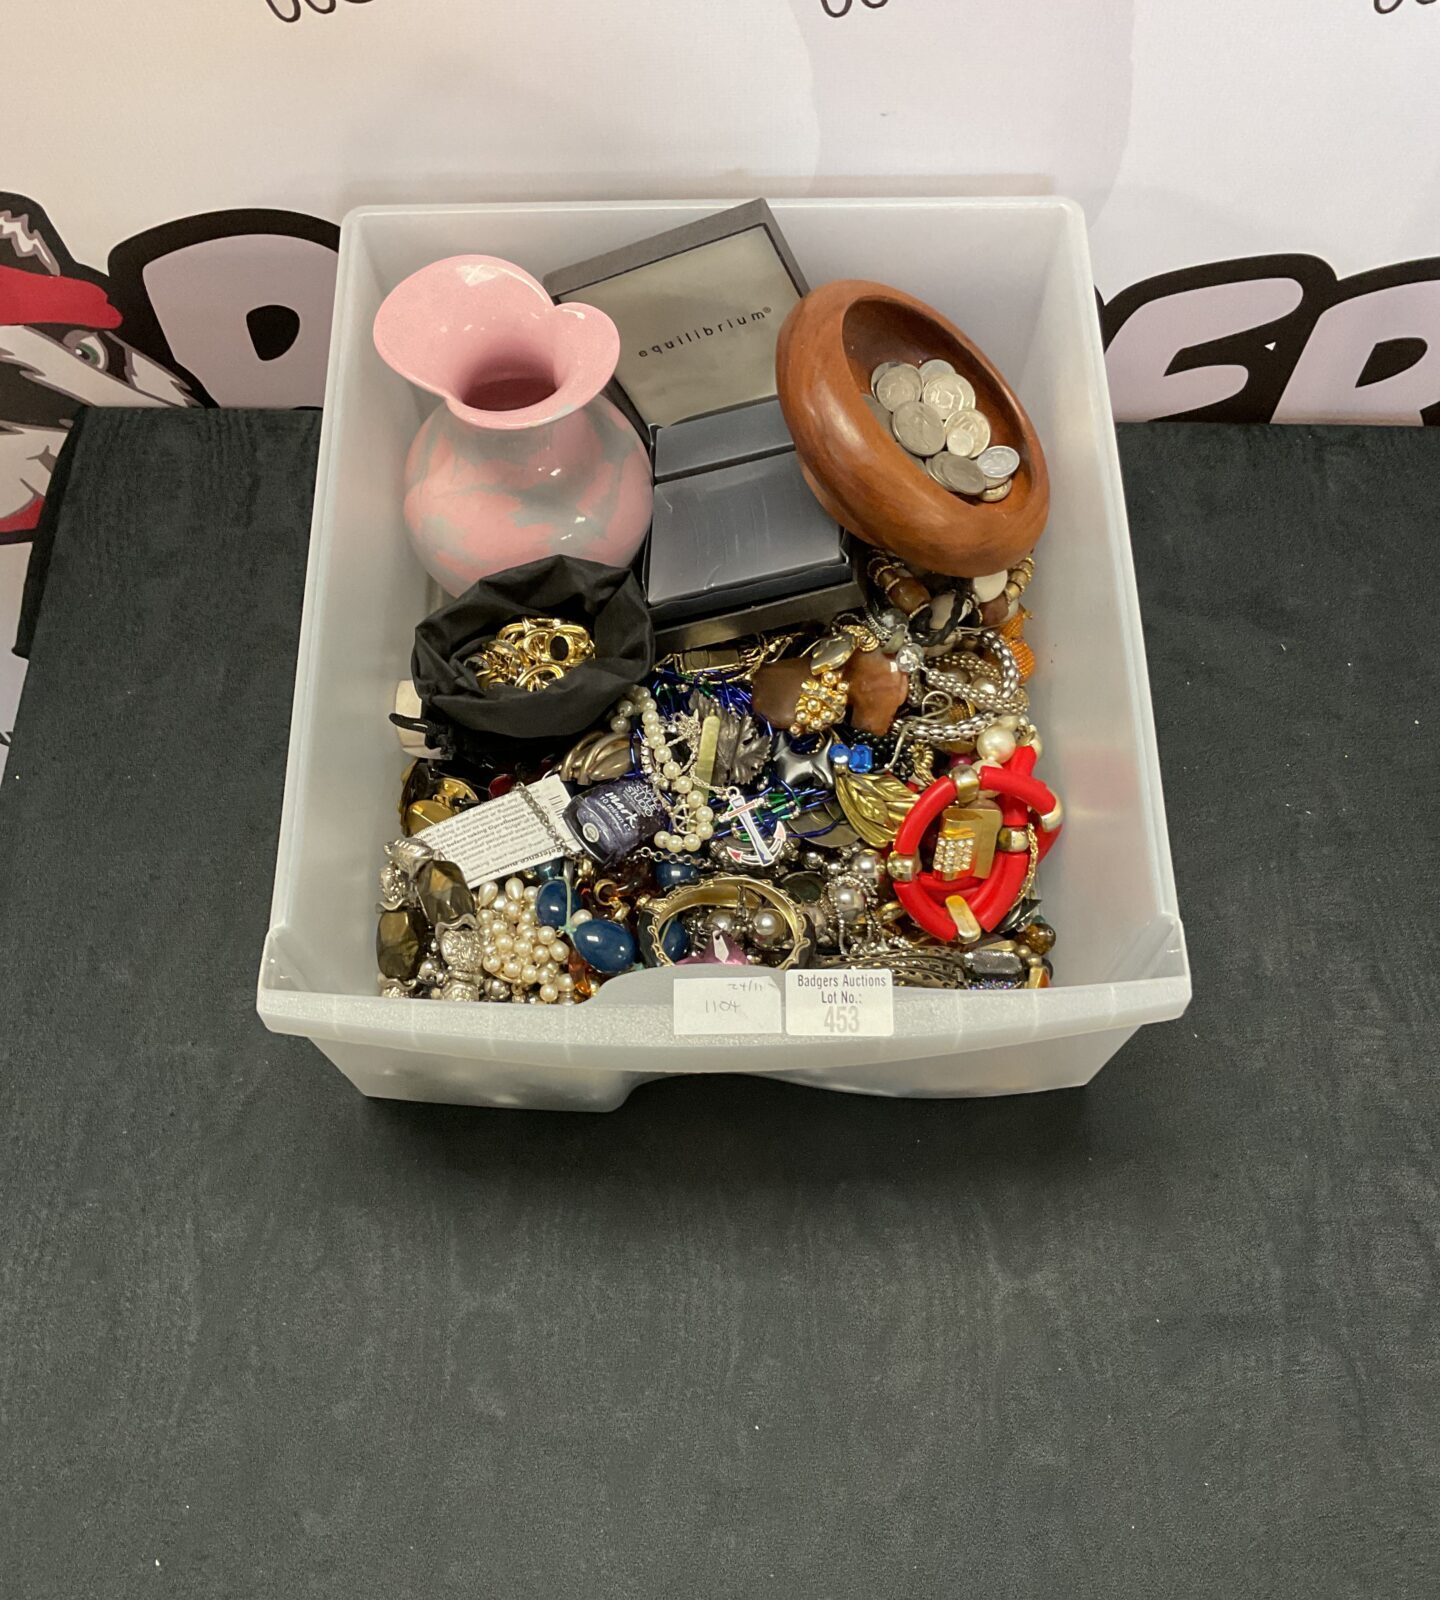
column 612, row 819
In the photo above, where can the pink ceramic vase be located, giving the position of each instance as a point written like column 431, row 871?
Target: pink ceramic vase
column 525, row 458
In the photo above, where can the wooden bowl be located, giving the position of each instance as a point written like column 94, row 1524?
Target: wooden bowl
column 829, row 345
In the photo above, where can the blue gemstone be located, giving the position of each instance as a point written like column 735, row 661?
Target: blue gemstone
column 862, row 758
column 604, row 945
column 555, row 904
column 671, row 874
column 676, row 943
column 550, row 869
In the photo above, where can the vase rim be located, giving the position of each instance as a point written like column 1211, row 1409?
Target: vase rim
column 419, row 321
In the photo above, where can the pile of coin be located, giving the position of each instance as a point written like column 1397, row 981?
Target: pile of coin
column 931, row 411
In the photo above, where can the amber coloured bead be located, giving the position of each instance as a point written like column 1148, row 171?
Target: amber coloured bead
column 399, row 943
column 444, row 897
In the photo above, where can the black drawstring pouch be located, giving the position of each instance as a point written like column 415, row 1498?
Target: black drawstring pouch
column 461, row 716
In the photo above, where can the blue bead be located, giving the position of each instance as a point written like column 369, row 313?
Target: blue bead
column 862, row 758
column 676, row 943
column 671, row 874
column 550, row 869
column 555, row 904
column 604, row 945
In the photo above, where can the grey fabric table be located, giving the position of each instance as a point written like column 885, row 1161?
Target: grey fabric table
column 1172, row 1335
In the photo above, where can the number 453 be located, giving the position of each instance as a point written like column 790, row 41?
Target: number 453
column 842, row 1019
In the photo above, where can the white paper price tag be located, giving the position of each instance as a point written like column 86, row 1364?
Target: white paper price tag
column 506, row 835
column 845, row 1003
column 748, row 1003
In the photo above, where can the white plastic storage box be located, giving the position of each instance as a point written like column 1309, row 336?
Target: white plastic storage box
column 1015, row 275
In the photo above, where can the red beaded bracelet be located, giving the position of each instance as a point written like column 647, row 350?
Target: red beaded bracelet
column 964, row 908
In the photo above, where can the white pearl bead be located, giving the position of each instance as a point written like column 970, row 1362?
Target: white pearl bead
column 664, row 841
column 564, row 982
column 560, row 950
column 847, row 900
column 549, row 994
column 505, row 943
column 532, row 891
column 684, row 785
column 671, row 769
column 486, row 893
column 548, row 971
column 704, row 814
column 995, row 745
column 692, row 841
column 1012, row 722
column 512, row 969
column 580, row 917
column 492, row 962
column 619, row 724
column 704, row 830
column 514, row 889
column 530, row 973
column 545, row 933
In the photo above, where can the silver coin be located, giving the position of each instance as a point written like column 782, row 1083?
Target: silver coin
column 876, row 410
column 965, row 390
column 999, row 490
column 968, row 433
column 898, row 385
column 949, row 394
column 959, row 474
column 880, row 371
column 920, row 428
column 936, row 369
column 999, row 462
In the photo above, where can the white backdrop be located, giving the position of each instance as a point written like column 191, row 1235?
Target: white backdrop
column 1197, row 134
column 1190, row 129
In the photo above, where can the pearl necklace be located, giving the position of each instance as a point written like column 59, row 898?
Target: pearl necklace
column 692, row 819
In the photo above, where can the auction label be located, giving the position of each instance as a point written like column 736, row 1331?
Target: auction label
column 845, row 1003
column 743, row 1004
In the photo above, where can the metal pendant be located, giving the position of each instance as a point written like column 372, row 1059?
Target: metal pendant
column 875, row 804
column 802, row 769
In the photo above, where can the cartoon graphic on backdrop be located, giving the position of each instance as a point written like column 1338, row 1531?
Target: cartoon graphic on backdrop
column 61, row 346
column 224, row 308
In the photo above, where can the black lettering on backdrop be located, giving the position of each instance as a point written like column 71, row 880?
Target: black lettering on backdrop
column 1279, row 337
column 291, row 10
column 843, row 8
column 1383, row 8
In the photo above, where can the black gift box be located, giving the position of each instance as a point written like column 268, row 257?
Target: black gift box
column 738, row 541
